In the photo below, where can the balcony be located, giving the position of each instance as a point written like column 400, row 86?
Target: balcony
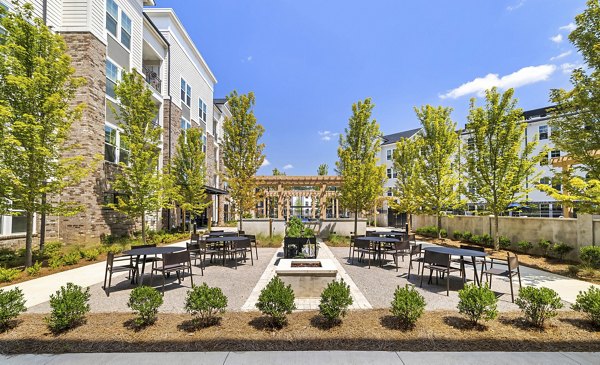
column 151, row 74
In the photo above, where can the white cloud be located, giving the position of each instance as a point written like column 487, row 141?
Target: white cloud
column 557, row 38
column 265, row 163
column 567, row 68
column 569, row 27
column 562, row 55
column 327, row 135
column 288, row 166
column 249, row 58
column 526, row 75
column 515, row 6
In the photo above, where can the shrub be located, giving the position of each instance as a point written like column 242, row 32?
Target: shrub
column 590, row 255
column 71, row 258
column 467, row 236
column 538, row 304
column 504, row 242
column 561, row 249
column 477, row 303
column 476, row 239
column 276, row 300
column 7, row 255
column 34, row 270
column 431, row 231
column 145, row 301
column 408, row 305
column 55, row 261
column 573, row 270
column 68, row 307
column 524, row 246
column 338, row 240
column 588, row 302
column 12, row 303
column 487, row 240
column 90, row 254
column 335, row 300
column 8, row 275
column 51, row 248
column 457, row 235
column 544, row 245
column 205, row 303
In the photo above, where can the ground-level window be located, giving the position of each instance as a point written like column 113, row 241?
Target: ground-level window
column 13, row 224
column 115, row 148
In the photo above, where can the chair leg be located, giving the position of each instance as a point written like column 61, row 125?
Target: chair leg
column 109, row 281
column 512, row 294
column 252, row 258
column 448, row 283
column 256, row 250
column 422, row 270
column 409, row 267
column 105, row 277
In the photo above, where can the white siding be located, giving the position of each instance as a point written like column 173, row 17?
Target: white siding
column 133, row 9
column 84, row 16
column 53, row 11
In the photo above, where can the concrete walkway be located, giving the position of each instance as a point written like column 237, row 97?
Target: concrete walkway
column 311, row 357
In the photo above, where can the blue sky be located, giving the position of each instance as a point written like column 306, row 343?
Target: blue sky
column 308, row 61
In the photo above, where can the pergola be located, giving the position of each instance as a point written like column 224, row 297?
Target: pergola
column 286, row 188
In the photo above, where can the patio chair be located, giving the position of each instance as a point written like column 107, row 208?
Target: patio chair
column 351, row 248
column 416, row 255
column 398, row 249
column 196, row 252
column 462, row 261
column 511, row 269
column 440, row 263
column 240, row 248
column 362, row 247
column 412, row 238
column 112, row 268
column 177, row 262
column 252, row 242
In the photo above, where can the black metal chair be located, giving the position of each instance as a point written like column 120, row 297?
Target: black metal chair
column 240, row 249
column 512, row 269
column 177, row 262
column 351, row 248
column 111, row 268
column 416, row 255
column 252, row 239
column 398, row 249
column 440, row 263
column 412, row 238
column 196, row 252
column 363, row 247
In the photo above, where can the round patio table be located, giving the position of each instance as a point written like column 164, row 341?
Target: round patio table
column 222, row 234
column 145, row 251
column 378, row 241
column 388, row 233
column 224, row 241
column 453, row 251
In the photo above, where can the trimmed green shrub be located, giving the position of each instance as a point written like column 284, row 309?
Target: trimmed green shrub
column 457, row 235
column 504, row 242
column 538, row 304
column 487, row 240
column 408, row 305
column 71, row 258
column 544, row 245
column 7, row 274
column 90, row 254
column 431, row 231
column 34, row 270
column 561, row 249
column 590, row 255
column 276, row 300
column 588, row 302
column 477, row 303
column 12, row 303
column 467, row 236
column 205, row 303
column 335, row 300
column 476, row 239
column 68, row 307
column 55, row 261
column 145, row 301
column 524, row 246
column 51, row 248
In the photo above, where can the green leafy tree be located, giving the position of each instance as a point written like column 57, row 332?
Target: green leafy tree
column 37, row 89
column 189, row 173
column 141, row 186
column 276, row 172
column 362, row 175
column 575, row 122
column 242, row 153
column 438, row 187
column 323, row 169
column 407, row 167
column 499, row 161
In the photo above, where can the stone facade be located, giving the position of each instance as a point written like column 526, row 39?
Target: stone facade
column 171, row 120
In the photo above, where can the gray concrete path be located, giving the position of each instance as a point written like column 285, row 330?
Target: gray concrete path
column 312, row 357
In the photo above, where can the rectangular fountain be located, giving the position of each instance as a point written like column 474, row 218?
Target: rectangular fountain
column 308, row 277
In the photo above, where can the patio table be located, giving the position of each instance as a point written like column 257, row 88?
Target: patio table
column 377, row 241
column 453, row 251
column 222, row 234
column 145, row 251
column 224, row 241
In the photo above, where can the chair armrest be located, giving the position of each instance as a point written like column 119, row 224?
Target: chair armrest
column 498, row 261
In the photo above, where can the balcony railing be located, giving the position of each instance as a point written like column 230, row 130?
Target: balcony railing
column 152, row 78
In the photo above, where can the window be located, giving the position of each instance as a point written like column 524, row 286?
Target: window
column 389, row 173
column 394, row 174
column 390, row 192
column 13, row 224
column 543, row 132
column 2, row 34
column 123, row 152
column 471, row 143
column 125, row 30
column 112, row 77
column 204, row 142
column 545, row 180
column 112, row 16
column 471, row 188
column 185, row 125
column 186, row 93
column 389, row 154
column 554, row 154
column 110, row 144
column 544, row 159
column 202, row 110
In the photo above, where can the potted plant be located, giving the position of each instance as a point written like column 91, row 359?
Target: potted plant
column 299, row 240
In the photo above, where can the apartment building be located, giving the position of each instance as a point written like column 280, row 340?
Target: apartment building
column 106, row 38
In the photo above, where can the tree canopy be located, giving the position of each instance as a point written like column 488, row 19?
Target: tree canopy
column 407, row 166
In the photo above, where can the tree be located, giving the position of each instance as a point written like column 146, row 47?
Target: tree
column 438, row 188
column 141, row 186
column 323, row 169
column 499, row 160
column 575, row 121
column 37, row 88
column 276, row 172
column 242, row 154
column 408, row 176
column 362, row 176
column 189, row 173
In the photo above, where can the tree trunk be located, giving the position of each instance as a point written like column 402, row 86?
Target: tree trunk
column 29, row 240
column 496, row 237
column 356, row 222
column 241, row 217
column 183, row 220
column 144, row 228
column 439, row 225
column 408, row 223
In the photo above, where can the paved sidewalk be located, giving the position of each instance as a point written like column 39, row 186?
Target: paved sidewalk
column 311, row 357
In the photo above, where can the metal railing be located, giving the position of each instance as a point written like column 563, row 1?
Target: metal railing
column 152, row 78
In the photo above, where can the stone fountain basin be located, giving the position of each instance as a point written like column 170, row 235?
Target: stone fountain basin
column 310, row 278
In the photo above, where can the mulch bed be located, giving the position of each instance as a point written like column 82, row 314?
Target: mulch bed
column 249, row 331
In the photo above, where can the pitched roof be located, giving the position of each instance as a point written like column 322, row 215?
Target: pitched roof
column 395, row 137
